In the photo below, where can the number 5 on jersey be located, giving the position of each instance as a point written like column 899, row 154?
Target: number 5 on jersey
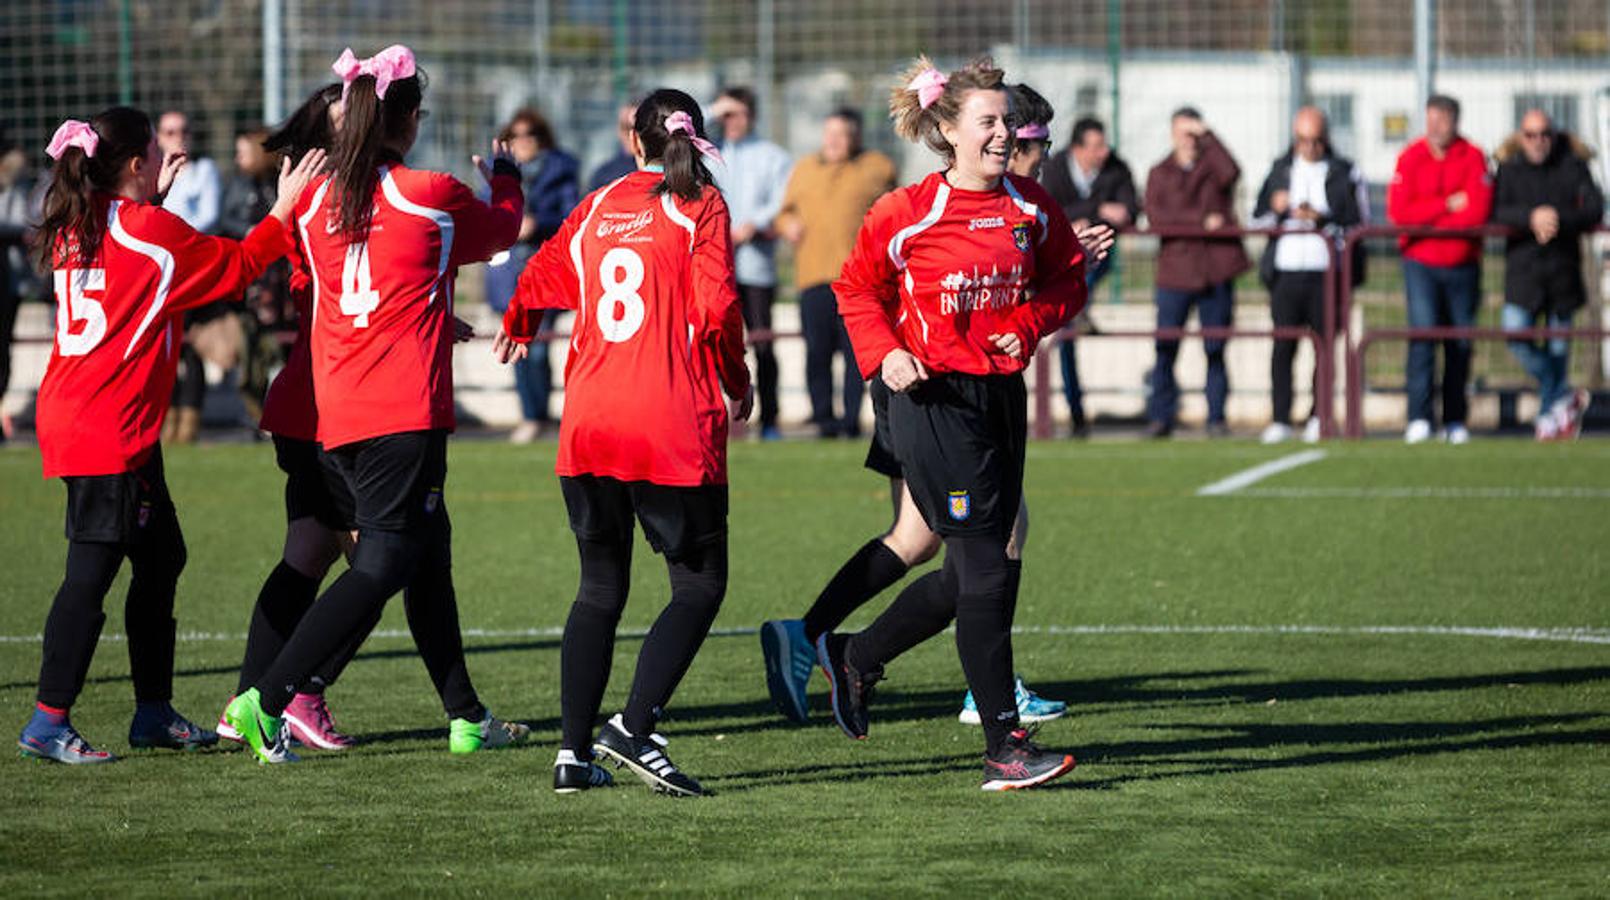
column 358, row 296
column 620, row 309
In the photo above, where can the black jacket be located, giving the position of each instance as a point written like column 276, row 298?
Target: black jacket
column 1113, row 184
column 1546, row 277
column 1343, row 184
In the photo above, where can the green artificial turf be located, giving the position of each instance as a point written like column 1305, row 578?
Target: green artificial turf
column 1219, row 756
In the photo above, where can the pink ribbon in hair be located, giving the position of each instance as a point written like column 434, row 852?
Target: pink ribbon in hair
column 73, row 133
column 930, row 86
column 681, row 121
column 1035, row 132
column 391, row 64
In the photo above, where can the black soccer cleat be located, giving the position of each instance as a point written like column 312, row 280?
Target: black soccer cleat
column 1021, row 763
column 851, row 689
column 571, row 774
column 645, row 756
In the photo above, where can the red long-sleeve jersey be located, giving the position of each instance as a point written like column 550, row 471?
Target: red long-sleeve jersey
column 658, row 332
column 382, row 338
column 111, row 372
column 936, row 270
column 1419, row 192
column 288, row 409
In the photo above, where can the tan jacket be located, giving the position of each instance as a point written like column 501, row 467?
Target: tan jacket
column 830, row 200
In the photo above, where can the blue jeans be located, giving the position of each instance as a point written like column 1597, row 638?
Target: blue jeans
column 533, row 378
column 1070, row 361
column 1440, row 296
column 1215, row 308
column 1545, row 361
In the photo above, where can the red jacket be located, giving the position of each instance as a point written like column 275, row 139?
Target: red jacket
column 1419, row 195
column 118, row 319
column 936, row 270
column 382, row 332
column 658, row 332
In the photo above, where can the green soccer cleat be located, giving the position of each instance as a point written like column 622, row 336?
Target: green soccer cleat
column 464, row 736
column 259, row 731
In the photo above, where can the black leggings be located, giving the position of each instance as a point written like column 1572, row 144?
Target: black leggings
column 73, row 626
column 698, row 584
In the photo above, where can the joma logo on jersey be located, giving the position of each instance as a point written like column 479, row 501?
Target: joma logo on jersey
column 986, row 222
column 1020, row 236
column 621, row 224
column 961, row 505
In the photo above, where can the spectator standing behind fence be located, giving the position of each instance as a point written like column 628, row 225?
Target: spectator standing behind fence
column 1193, row 187
column 1441, row 181
column 622, row 163
column 1312, row 194
column 19, row 209
column 195, row 197
column 248, row 196
column 1546, row 193
column 548, row 175
column 753, row 180
column 1094, row 187
column 828, row 195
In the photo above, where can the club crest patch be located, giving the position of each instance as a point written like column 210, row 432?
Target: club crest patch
column 433, row 499
column 1020, row 236
column 144, row 516
column 961, row 505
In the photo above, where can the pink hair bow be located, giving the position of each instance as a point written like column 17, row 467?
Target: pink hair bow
column 681, row 121
column 73, row 133
column 1034, row 132
column 391, row 64
column 930, row 86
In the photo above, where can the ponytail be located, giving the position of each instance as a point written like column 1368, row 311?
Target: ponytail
column 71, row 227
column 308, row 128
column 923, row 97
column 671, row 128
column 372, row 128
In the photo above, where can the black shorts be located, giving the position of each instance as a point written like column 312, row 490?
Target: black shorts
column 960, row 441
column 390, row 483
column 307, row 492
column 880, row 456
column 676, row 520
column 120, row 509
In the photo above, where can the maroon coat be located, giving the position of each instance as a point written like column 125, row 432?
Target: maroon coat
column 1183, row 198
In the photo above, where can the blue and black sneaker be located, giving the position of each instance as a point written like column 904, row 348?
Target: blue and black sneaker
column 1031, row 707
column 49, row 737
column 159, row 725
column 851, row 688
column 789, row 661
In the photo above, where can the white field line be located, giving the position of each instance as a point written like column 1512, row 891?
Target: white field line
column 1258, row 473
column 1430, row 493
column 1574, row 635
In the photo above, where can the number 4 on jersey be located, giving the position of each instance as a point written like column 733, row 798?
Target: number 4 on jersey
column 358, row 296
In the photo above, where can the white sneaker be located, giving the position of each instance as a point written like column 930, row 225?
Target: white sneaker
column 1311, row 433
column 1456, row 434
column 1418, row 432
column 1547, row 427
column 525, row 433
column 1275, row 433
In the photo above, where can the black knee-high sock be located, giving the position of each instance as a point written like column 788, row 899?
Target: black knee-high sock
column 73, row 626
column 331, row 669
column 155, row 563
column 924, row 608
column 588, row 651
column 383, row 563
column 432, row 607
column 984, row 630
column 863, row 576
column 698, row 584
column 283, row 601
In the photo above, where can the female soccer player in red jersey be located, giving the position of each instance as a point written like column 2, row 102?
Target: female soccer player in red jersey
column 383, row 243
column 125, row 270
column 924, row 608
column 952, row 283
column 646, row 262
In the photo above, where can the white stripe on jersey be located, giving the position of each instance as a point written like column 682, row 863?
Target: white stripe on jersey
column 678, row 217
column 1029, row 209
column 163, row 259
column 443, row 220
column 307, row 252
column 898, row 242
column 575, row 259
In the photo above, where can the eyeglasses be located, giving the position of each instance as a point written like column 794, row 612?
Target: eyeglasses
column 517, row 135
column 1538, row 135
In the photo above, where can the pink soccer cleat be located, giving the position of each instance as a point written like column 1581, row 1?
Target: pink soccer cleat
column 310, row 722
